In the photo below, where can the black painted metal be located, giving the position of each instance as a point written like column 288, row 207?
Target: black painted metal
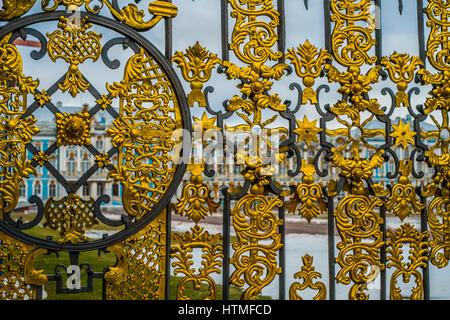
column 423, row 228
column 331, row 246
column 133, row 40
column 383, row 255
column 137, row 38
column 224, row 28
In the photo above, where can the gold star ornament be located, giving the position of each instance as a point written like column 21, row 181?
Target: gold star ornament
column 307, row 131
column 204, row 123
column 402, row 134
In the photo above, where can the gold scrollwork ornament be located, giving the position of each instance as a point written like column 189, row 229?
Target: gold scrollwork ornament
column 254, row 260
column 196, row 66
column 308, row 63
column 72, row 216
column 359, row 228
column 418, row 256
column 74, row 44
column 308, row 194
column 15, row 8
column 402, row 200
column 212, row 253
column 196, row 200
column 308, row 274
column 401, row 68
column 352, row 36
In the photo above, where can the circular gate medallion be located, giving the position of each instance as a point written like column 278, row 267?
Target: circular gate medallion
column 135, row 155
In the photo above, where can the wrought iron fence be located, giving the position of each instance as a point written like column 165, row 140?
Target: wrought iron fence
column 373, row 178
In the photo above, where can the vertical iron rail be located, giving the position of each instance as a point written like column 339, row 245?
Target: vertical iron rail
column 39, row 290
column 168, row 246
column 281, row 28
column 282, row 252
column 327, row 25
column 421, row 32
column 425, row 271
column 331, row 244
column 224, row 22
column 168, row 37
column 383, row 255
column 378, row 32
column 226, row 248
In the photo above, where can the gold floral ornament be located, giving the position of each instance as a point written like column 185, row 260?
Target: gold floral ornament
column 72, row 216
column 139, row 272
column 359, row 228
column 352, row 37
column 255, row 86
column 196, row 200
column 255, row 171
column 103, row 160
column 418, row 256
column 401, row 68
column 308, row 274
column 104, row 102
column 402, row 200
column 308, row 194
column 440, row 95
column 355, row 86
column 73, row 129
column 15, row 8
column 16, row 130
column 252, row 39
column 402, row 134
column 74, row 45
column 439, row 159
column 42, row 98
column 149, row 114
column 196, row 67
column 307, row 131
column 204, row 124
column 308, row 63
column 18, row 276
column 41, row 158
column 212, row 253
column 259, row 239
column 356, row 169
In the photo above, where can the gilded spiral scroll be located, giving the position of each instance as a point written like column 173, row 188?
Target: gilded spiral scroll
column 361, row 239
column 309, row 275
column 255, row 259
column 149, row 114
column 139, row 272
column 418, row 256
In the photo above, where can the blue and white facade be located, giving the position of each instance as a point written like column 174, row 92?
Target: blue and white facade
column 71, row 162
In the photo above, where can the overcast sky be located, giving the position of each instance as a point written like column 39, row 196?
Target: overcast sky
column 199, row 20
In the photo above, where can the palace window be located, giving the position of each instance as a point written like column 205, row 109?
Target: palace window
column 22, row 190
column 71, row 165
column 86, row 189
column 37, row 188
column 100, row 188
column 115, row 189
column 52, row 190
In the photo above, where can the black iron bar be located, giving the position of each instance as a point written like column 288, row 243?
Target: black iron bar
column 224, row 24
column 168, row 250
column 331, row 244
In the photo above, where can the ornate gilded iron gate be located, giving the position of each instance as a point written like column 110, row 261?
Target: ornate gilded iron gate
column 353, row 165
